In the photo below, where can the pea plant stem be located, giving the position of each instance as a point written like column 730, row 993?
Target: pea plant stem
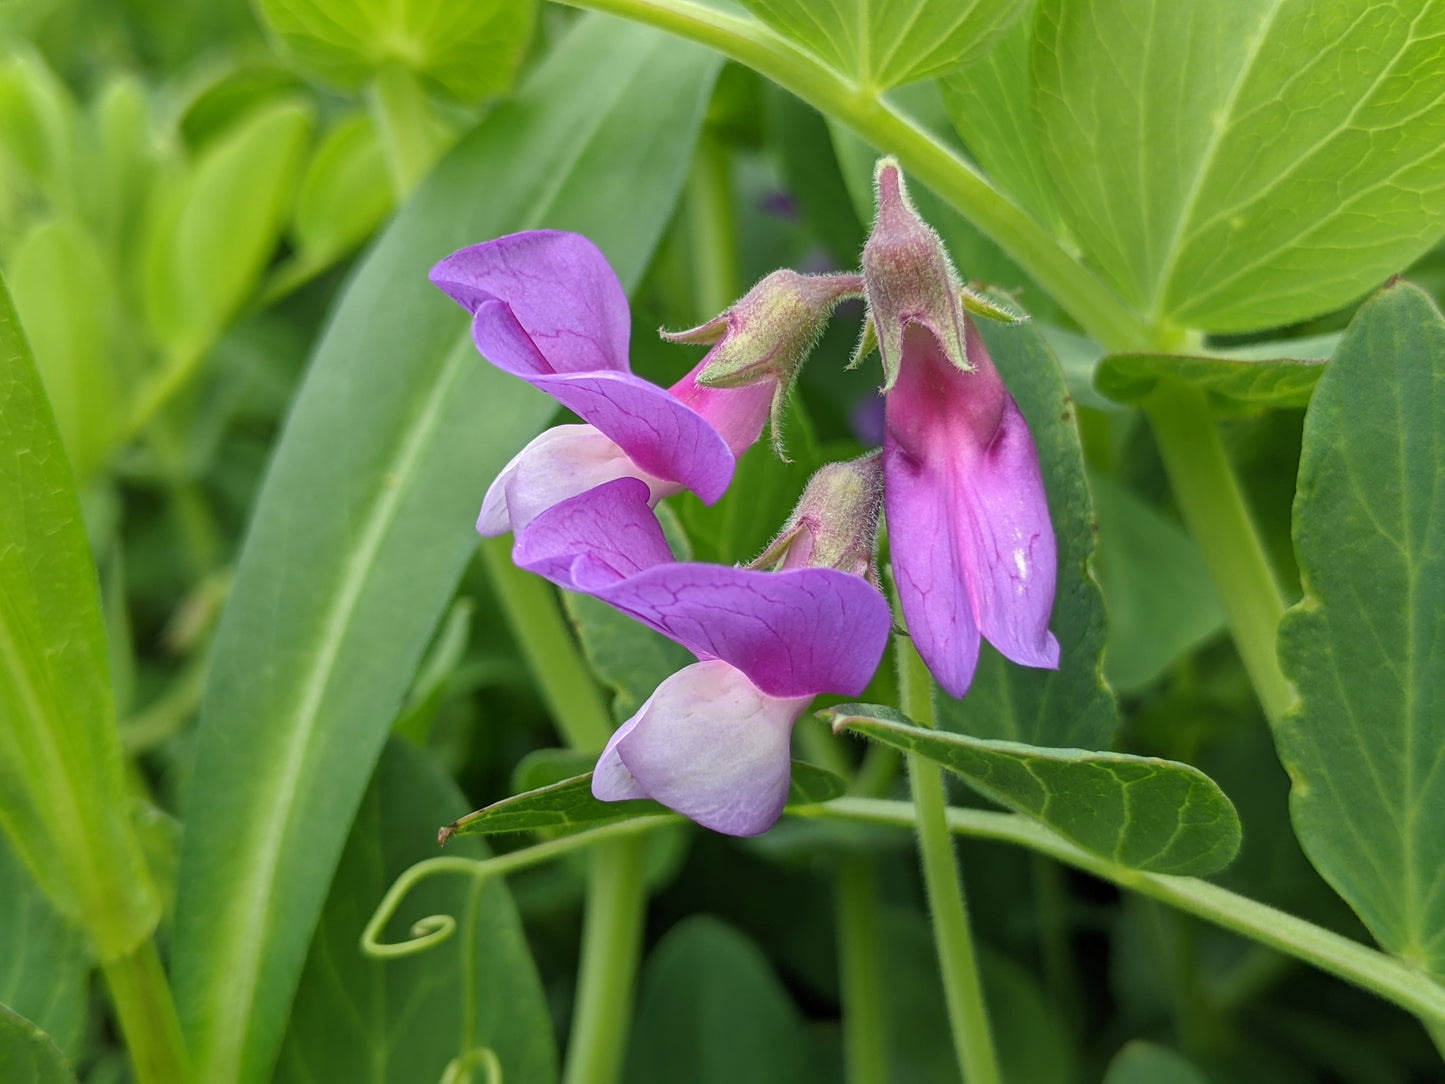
column 957, row 958
column 147, row 1012
column 865, row 1043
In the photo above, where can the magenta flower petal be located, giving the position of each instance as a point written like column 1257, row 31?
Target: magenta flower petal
column 710, row 745
column 599, row 537
column 560, row 287
column 968, row 518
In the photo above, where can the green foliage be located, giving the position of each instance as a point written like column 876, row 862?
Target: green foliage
column 357, row 1018
column 27, row 1056
column 1365, row 742
column 1142, row 812
column 470, row 49
column 62, row 801
column 1071, row 705
column 628, row 657
column 1232, row 385
column 1149, row 1063
column 1238, row 166
column 365, row 522
column 884, row 43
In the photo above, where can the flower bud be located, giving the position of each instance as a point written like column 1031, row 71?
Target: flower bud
column 908, row 278
column 835, row 524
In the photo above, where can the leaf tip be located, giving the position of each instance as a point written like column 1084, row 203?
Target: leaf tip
column 445, row 833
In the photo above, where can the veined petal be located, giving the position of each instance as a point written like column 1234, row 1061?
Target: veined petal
column 563, row 292
column 793, row 633
column 709, row 744
column 968, row 518
column 603, row 535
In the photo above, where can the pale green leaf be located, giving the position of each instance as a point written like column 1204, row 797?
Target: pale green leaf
column 345, row 191
column 1232, row 166
column 1141, row 812
column 884, row 43
column 401, row 1020
column 27, row 1054
column 62, row 796
column 1365, row 742
column 365, row 521
column 472, row 49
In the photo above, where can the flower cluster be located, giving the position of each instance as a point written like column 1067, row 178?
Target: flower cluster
column 971, row 542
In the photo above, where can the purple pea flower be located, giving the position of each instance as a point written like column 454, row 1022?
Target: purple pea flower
column 712, row 741
column 972, row 545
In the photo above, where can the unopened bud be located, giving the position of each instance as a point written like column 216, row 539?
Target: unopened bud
column 835, row 524
column 908, row 278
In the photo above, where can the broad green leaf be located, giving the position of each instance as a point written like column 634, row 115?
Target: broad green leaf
column 1141, row 812
column 64, row 295
column 1232, row 166
column 38, row 126
column 345, row 192
column 1149, row 1063
column 472, row 49
column 569, row 805
column 1070, row 706
column 401, row 1020
column 1232, row 385
column 1365, row 742
column 884, row 43
column 224, row 101
column 364, row 523
column 27, row 1054
column 710, row 1010
column 629, row 658
column 123, row 154
column 989, row 103
column 44, row 963
column 62, row 797
column 220, row 227
column 1161, row 600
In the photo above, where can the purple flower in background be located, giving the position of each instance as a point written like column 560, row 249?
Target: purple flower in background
column 972, row 545
column 548, row 308
column 712, row 741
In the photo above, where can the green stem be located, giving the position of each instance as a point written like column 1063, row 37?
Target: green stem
column 1213, row 507
column 611, row 941
column 411, row 133
column 710, row 223
column 1369, row 968
column 1437, row 1035
column 865, row 1045
column 535, row 616
column 1060, row 974
column 748, row 41
column 147, row 1012
column 957, row 959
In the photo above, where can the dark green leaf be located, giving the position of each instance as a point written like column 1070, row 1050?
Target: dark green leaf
column 1233, row 166
column 626, row 656
column 1149, row 1063
column 62, row 795
column 27, row 1056
column 1141, row 812
column 711, row 1011
column 365, row 521
column 402, row 1020
column 1233, row 385
column 1070, row 706
column 569, row 805
column 1365, row 742
column 884, row 43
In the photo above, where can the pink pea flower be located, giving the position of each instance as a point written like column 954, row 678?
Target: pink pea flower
column 712, row 742
column 972, row 544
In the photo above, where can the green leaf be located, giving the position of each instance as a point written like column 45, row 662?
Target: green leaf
column 711, row 1011
column 569, row 805
column 1233, row 386
column 345, row 192
column 401, row 1020
column 62, row 796
column 1232, row 166
column 626, row 656
column 885, row 43
column 38, row 126
column 1141, row 812
column 471, row 49
column 44, row 963
column 989, row 103
column 1365, row 742
column 364, row 524
column 1161, row 600
column 1149, row 1063
column 27, row 1054
column 1071, row 705
column 65, row 297
column 220, row 227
